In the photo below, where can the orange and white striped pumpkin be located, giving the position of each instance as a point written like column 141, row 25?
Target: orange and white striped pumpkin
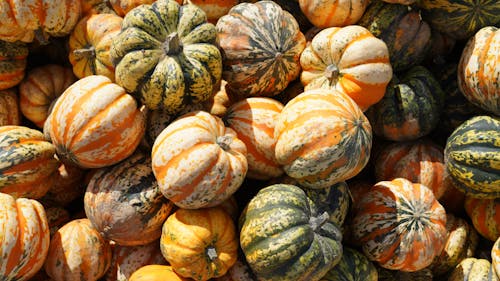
column 253, row 120
column 485, row 216
column 9, row 108
column 332, row 13
column 349, row 59
column 322, row 137
column 95, row 123
column 24, row 238
column 198, row 161
column 77, row 252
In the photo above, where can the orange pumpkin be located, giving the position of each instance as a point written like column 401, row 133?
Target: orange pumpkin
column 199, row 244
column 333, row 13
column 156, row 272
column 9, row 108
column 13, row 60
column 215, row 8
column 24, row 238
column 485, row 216
column 42, row 86
column 95, row 123
column 198, row 161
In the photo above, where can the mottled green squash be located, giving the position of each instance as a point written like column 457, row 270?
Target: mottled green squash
column 354, row 266
column 333, row 199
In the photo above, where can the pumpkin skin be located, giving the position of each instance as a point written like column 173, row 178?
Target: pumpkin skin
column 349, row 59
column 495, row 256
column 484, row 214
column 284, row 237
column 91, row 7
column 472, row 269
column 479, row 69
column 24, row 239
column 77, row 252
column 156, row 272
column 13, row 60
column 27, row 165
column 472, row 157
column 198, row 162
column 460, row 19
column 322, row 137
column 253, row 120
column 410, row 225
column 353, row 266
column 102, row 123
column 122, row 7
column 40, row 88
column 333, row 13
column 215, row 8
column 253, row 66
column 89, row 45
column 410, row 108
column 199, row 244
column 9, row 108
column 124, row 202
column 165, row 55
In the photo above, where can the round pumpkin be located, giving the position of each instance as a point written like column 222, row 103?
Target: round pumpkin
column 400, row 225
column 495, row 256
column 199, row 244
column 9, row 108
column 156, row 272
column 353, row 266
column 349, row 59
column 24, row 239
column 473, row 269
column 95, row 123
column 322, row 137
column 261, row 44
column 124, row 202
column 165, row 55
column 485, row 216
column 42, row 86
column 198, row 161
column 13, row 61
column 333, row 13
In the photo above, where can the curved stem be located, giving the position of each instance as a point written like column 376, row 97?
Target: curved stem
column 172, row 44
column 224, row 142
column 332, row 73
column 317, row 222
column 85, row 53
column 211, row 253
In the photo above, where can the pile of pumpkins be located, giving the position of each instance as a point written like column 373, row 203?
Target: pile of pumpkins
column 298, row 140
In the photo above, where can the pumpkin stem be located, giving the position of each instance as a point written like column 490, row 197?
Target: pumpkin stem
column 172, row 44
column 332, row 72
column 211, row 253
column 224, row 142
column 85, row 53
column 317, row 222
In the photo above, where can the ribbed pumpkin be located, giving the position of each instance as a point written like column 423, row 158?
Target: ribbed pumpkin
column 400, row 225
column 156, row 272
column 24, row 238
column 333, row 13
column 353, row 266
column 9, row 108
column 23, row 19
column 95, row 123
column 89, row 45
column 349, row 59
column 199, row 244
column 410, row 108
column 253, row 120
column 472, row 157
column 42, row 86
column 198, row 162
column 13, row 60
column 261, row 44
column 124, row 202
column 495, row 256
column 77, row 252
column 165, row 55
column 322, row 137
column 28, row 162
column 485, row 216
column 284, row 237
column 460, row 19
column 479, row 69
column 472, row 269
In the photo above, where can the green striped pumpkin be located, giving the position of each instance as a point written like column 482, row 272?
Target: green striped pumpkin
column 284, row 237
column 353, row 266
column 473, row 269
column 165, row 54
column 472, row 157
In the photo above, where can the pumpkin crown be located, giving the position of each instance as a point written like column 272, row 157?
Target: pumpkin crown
column 172, row 44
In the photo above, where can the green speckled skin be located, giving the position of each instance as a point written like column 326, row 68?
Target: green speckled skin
column 334, row 200
column 354, row 266
column 279, row 240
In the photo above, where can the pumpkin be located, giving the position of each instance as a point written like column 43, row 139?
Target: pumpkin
column 68, row 186
column 197, row 161
column 460, row 19
column 400, row 225
column 24, row 239
column 220, row 101
column 95, row 123
column 410, row 108
column 284, row 236
column 473, row 269
column 353, row 266
column 165, row 55
column 89, row 45
column 56, row 217
column 156, row 272
column 124, row 202
column 22, row 20
column 495, row 256
column 13, row 60
column 91, row 7
column 479, row 69
column 472, row 157
column 40, row 88
column 122, row 7
column 199, row 244
column 484, row 214
column 261, row 44
column 349, row 59
column 333, row 13
column 77, row 252
column 322, row 137
column 27, row 164
column 9, row 108
column 214, row 9
column 253, row 120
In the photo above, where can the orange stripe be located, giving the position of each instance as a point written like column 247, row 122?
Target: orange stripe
column 255, row 104
column 362, row 93
column 17, row 251
column 481, row 77
column 269, row 131
column 329, row 14
column 251, row 149
column 26, row 166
